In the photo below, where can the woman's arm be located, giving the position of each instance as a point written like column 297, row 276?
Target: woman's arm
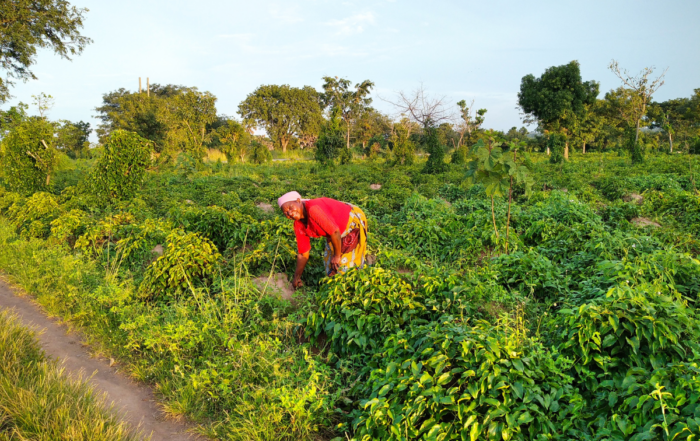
column 302, row 258
column 336, row 241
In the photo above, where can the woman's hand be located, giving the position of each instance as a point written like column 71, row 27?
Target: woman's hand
column 335, row 263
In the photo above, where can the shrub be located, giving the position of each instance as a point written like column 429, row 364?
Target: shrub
column 358, row 309
column 436, row 151
column 331, row 141
column 450, row 380
column 556, row 144
column 633, row 345
column 189, row 260
column 121, row 170
column 33, row 218
column 28, row 158
column 260, row 154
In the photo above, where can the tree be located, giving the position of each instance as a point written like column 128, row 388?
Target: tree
column 429, row 112
column 470, row 123
column 557, row 98
column 588, row 125
column 234, row 140
column 29, row 158
column 330, row 141
column 556, row 143
column 370, row 124
column 11, row 117
column 26, row 25
column 286, row 113
column 43, row 103
column 641, row 88
column 186, row 117
column 402, row 147
column 348, row 104
column 73, row 138
column 138, row 112
column 497, row 172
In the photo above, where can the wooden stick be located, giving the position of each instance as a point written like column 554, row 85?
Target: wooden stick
column 148, row 86
column 139, row 84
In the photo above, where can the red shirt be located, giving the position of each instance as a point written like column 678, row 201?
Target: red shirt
column 324, row 216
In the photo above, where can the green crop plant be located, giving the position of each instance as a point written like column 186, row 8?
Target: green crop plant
column 356, row 311
column 450, row 380
column 189, row 260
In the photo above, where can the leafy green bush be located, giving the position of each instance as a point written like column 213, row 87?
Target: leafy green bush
column 436, row 151
column 556, row 143
column 33, row 217
column 189, row 260
column 358, row 309
column 28, row 156
column 450, row 380
column 627, row 345
column 121, row 169
column 259, row 153
column 331, row 141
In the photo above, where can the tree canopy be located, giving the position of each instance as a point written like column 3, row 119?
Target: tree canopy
column 558, row 97
column 286, row 113
column 26, row 25
column 349, row 104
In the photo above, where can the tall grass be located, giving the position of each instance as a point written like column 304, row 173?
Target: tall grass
column 39, row 402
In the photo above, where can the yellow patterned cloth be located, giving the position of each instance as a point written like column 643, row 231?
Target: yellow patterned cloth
column 356, row 257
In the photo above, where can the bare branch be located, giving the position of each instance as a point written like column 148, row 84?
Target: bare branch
column 421, row 107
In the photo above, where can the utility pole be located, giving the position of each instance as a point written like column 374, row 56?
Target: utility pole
column 148, row 87
column 139, row 84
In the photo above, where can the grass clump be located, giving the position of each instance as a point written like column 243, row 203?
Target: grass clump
column 39, row 402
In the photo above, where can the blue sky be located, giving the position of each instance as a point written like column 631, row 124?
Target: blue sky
column 458, row 49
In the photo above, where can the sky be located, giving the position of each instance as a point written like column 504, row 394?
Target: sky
column 471, row 50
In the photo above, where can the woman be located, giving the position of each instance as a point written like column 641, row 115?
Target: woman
column 343, row 225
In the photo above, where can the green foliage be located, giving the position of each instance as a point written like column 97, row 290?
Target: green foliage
column 558, row 97
column 285, row 112
column 402, row 147
column 634, row 146
column 331, row 141
column 436, row 151
column 189, row 260
column 33, row 217
column 358, row 309
column 556, row 143
column 121, row 169
column 73, row 139
column 260, row 154
column 447, row 380
column 234, row 140
column 28, row 25
column 632, row 344
column 29, row 158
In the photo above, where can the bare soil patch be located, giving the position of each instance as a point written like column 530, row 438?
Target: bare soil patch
column 134, row 402
column 635, row 198
column 644, row 222
column 267, row 208
column 276, row 285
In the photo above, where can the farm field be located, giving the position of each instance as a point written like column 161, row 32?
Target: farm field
column 582, row 324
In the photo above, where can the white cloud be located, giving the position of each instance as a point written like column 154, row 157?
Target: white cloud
column 354, row 24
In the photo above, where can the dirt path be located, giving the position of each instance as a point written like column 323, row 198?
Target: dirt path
column 135, row 402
